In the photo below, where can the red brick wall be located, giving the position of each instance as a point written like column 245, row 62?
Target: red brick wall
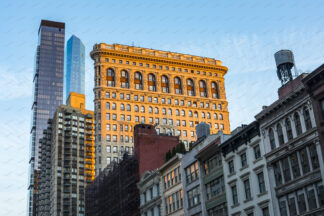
column 150, row 148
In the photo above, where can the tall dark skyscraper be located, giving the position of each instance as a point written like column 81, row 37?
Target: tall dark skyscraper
column 75, row 66
column 48, row 93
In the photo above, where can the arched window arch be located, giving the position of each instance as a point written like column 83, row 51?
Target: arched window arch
column 215, row 90
column 202, row 88
column 280, row 135
column 151, row 82
column 297, row 124
column 288, row 129
column 215, row 116
column 107, row 105
column 164, row 84
column 177, row 85
column 307, row 119
column 272, row 139
column 138, row 81
column 110, row 77
column 124, row 79
column 196, row 114
column 202, row 115
column 190, row 87
column 177, row 112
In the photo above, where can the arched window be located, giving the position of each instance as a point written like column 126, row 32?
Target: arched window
column 288, row 129
column 164, row 84
column 163, row 111
column 215, row 90
column 215, row 116
column 280, row 135
column 183, row 113
column 220, row 116
column 196, row 114
column 128, row 107
column 150, row 109
column 202, row 115
column 107, row 105
column 110, row 77
column 190, row 87
column 122, row 107
column 177, row 112
column 138, row 81
column 297, row 124
column 169, row 111
column 272, row 139
column 177, row 85
column 308, row 122
column 142, row 109
column 208, row 115
column 156, row 110
column 136, row 108
column 124, row 79
column 190, row 113
column 151, row 82
column 202, row 88
column 113, row 106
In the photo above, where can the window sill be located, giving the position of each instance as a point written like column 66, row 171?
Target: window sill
column 248, row 200
column 243, row 168
column 257, row 160
column 262, row 194
column 231, row 174
column 236, row 205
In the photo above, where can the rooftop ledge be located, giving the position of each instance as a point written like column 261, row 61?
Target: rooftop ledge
column 157, row 53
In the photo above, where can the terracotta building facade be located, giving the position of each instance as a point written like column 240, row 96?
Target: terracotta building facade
column 135, row 85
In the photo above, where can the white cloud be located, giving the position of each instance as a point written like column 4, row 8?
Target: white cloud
column 15, row 84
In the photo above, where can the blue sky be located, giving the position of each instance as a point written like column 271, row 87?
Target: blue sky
column 243, row 34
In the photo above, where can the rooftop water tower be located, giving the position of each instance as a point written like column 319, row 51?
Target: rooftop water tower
column 285, row 62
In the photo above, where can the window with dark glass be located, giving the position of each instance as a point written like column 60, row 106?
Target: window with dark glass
column 280, row 135
column 301, row 203
column 307, row 119
column 277, row 173
column 304, row 161
column 234, row 195
column 286, row 169
column 311, row 199
column 215, row 187
column 193, row 197
column 288, row 129
column 272, row 139
column 261, row 182
column 192, row 172
column 177, row 85
column 292, row 206
column 243, row 160
column 294, row 165
column 231, row 166
column 257, row 152
column 313, row 156
column 247, row 189
column 297, row 124
column 283, row 208
column 138, row 81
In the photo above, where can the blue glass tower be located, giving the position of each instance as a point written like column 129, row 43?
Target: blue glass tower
column 75, row 69
column 47, row 95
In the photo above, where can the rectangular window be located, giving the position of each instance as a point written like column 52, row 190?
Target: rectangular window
column 192, row 172
column 294, row 165
column 114, row 138
column 313, row 156
column 115, row 149
column 108, row 138
column 283, row 208
column 108, row 149
column 286, row 169
column 194, row 197
column 277, row 173
column 261, row 182
column 304, row 161
column 243, row 160
column 231, row 166
column 215, row 187
column 247, row 189
column 234, row 195
column 265, row 211
column 292, row 206
column 320, row 194
column 301, row 203
column 257, row 152
column 311, row 199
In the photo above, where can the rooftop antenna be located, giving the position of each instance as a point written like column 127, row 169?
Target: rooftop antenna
column 285, row 62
